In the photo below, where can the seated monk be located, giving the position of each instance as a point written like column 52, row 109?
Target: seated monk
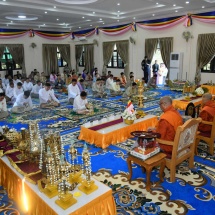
column 168, row 123
column 207, row 113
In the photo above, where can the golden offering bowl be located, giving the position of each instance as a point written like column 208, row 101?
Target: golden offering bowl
column 128, row 121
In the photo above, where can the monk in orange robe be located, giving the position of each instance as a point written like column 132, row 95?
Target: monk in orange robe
column 207, row 113
column 168, row 123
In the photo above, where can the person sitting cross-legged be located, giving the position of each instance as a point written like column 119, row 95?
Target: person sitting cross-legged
column 115, row 88
column 27, row 86
column 98, row 89
column 36, row 89
column 18, row 89
column 59, row 83
column 81, row 85
column 15, row 80
column 88, row 80
column 123, row 80
column 168, row 123
column 3, row 106
column 47, row 97
column 10, row 92
column 73, row 91
column 131, row 91
column 23, row 103
column 2, row 86
column 130, row 81
column 109, row 82
column 207, row 113
column 152, row 82
column 81, row 104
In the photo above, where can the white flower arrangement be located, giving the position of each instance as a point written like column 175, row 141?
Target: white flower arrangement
column 199, row 91
column 128, row 115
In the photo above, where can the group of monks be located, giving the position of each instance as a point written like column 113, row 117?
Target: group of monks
column 171, row 119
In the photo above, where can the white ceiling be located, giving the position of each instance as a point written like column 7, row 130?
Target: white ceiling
column 66, row 15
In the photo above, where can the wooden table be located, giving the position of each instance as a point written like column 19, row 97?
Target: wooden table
column 181, row 103
column 156, row 160
column 116, row 133
column 32, row 202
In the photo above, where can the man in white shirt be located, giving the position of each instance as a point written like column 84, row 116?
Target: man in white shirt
column 2, row 85
column 10, row 92
column 15, row 80
column 47, row 97
column 109, row 82
column 23, row 103
column 36, row 89
column 27, row 86
column 73, row 91
column 115, row 90
column 18, row 90
column 5, row 80
column 3, row 106
column 80, row 104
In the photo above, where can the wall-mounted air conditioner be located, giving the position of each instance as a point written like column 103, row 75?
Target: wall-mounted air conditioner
column 82, row 38
column 176, row 66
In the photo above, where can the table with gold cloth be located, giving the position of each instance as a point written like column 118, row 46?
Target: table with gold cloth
column 210, row 88
column 181, row 103
column 116, row 133
column 32, row 202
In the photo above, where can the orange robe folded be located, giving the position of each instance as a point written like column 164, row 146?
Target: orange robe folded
column 207, row 114
column 167, row 125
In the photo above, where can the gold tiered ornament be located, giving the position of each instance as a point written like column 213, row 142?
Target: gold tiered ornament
column 50, row 189
column 140, row 94
column 60, row 176
column 87, row 185
column 35, row 142
column 65, row 199
column 22, row 146
column 75, row 175
column 188, row 88
column 51, row 164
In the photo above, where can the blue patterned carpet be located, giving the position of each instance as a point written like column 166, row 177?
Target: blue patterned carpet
column 193, row 192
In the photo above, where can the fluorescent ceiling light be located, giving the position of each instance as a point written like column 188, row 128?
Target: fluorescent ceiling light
column 18, row 18
column 210, row 1
column 76, row 1
column 22, row 17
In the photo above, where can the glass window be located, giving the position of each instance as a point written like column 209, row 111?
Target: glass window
column 61, row 62
column 7, row 61
column 210, row 66
column 116, row 61
column 157, row 56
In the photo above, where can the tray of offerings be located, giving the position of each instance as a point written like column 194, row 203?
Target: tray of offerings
column 146, row 144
